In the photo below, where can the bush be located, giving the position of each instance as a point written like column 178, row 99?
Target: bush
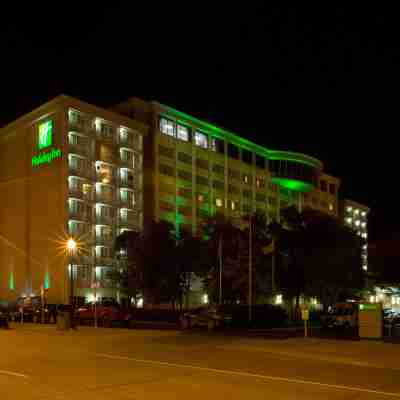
column 263, row 316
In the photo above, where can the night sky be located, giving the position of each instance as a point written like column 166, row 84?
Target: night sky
column 323, row 81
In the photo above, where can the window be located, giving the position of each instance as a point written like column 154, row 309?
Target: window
column 233, row 189
column 200, row 139
column 165, row 151
column 218, row 145
column 106, row 130
column 127, row 196
column 105, row 172
column 218, row 169
column 247, row 157
column 201, row 163
column 128, row 157
column 233, row 151
column 167, row 127
column 246, row 194
column 182, row 133
column 332, row 188
column 260, row 197
column 218, row 185
column 166, row 170
column 201, row 180
column 330, row 207
column 260, row 162
column 323, row 186
column 260, row 183
column 246, row 208
column 185, row 158
column 185, row 175
column 234, row 205
column 246, row 179
column 218, row 202
column 234, row 174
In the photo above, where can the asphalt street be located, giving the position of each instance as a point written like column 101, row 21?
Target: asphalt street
column 41, row 363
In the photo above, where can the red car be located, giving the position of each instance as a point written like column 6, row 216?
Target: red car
column 106, row 315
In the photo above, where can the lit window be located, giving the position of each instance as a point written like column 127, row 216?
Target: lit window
column 200, row 197
column 349, row 209
column 183, row 133
column 363, row 213
column 201, row 140
column 218, row 202
column 278, row 299
column 357, row 222
column 330, row 207
column 363, row 224
column 356, row 212
column 213, row 144
column 364, row 235
column 233, row 205
column 349, row 220
column 245, row 179
column 167, row 127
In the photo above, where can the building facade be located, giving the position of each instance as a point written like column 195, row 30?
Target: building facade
column 68, row 169
column 355, row 216
column 194, row 169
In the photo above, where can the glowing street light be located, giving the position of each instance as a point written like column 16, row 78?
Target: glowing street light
column 71, row 247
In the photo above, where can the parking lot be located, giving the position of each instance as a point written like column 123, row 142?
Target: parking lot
column 39, row 362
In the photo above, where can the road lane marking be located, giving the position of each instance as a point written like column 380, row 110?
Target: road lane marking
column 10, row 373
column 251, row 375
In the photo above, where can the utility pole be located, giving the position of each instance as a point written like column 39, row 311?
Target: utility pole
column 250, row 265
column 220, row 267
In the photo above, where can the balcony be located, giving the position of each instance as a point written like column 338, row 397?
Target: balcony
column 104, row 240
column 80, row 194
column 104, row 219
column 107, row 178
column 106, row 198
column 130, row 223
column 78, row 124
column 81, row 171
column 104, row 260
column 80, row 215
column 82, row 150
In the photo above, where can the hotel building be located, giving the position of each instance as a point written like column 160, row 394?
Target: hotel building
column 67, row 169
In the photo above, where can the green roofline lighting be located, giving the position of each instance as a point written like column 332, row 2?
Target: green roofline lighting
column 241, row 142
column 46, row 157
column 293, row 184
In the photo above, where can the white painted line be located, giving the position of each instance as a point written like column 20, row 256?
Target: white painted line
column 10, row 373
column 250, row 375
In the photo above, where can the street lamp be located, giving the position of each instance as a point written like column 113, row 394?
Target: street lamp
column 71, row 247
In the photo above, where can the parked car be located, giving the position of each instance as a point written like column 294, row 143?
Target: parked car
column 343, row 315
column 106, row 314
column 210, row 316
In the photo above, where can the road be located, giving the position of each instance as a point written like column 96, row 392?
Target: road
column 42, row 363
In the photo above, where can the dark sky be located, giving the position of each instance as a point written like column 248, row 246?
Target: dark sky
column 323, row 81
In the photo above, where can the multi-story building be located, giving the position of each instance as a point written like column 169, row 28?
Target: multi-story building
column 355, row 216
column 193, row 169
column 67, row 169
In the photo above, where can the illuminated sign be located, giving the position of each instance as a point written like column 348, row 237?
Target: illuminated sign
column 369, row 307
column 46, row 158
column 45, row 139
column 45, row 136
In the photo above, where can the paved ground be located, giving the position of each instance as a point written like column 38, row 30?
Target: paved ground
column 41, row 363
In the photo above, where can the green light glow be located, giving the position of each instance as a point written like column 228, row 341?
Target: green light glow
column 47, row 280
column 11, row 281
column 293, row 184
column 240, row 142
column 46, row 158
column 45, row 134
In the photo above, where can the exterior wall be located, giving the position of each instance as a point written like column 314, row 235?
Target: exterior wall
column 32, row 211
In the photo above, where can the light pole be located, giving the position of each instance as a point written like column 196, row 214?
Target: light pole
column 71, row 247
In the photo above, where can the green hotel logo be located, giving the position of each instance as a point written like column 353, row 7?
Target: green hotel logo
column 45, row 137
column 46, row 158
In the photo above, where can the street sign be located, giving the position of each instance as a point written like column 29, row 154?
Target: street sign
column 305, row 314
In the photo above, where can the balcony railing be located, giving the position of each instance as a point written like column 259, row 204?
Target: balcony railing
column 104, row 261
column 83, row 150
column 80, row 171
column 80, row 215
column 107, row 198
column 79, row 194
column 105, row 240
column 104, row 219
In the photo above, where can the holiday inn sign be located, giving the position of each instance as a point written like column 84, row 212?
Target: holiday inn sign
column 45, row 140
